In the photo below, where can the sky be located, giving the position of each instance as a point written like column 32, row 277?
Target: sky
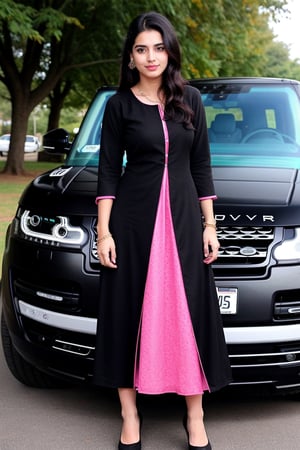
column 287, row 30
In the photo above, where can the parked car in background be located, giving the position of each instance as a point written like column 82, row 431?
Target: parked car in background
column 50, row 273
column 4, row 144
column 32, row 144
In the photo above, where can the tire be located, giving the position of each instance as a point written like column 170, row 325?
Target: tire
column 23, row 371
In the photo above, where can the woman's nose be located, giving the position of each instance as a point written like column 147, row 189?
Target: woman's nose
column 151, row 55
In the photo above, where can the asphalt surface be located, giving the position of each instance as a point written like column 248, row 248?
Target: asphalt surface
column 88, row 419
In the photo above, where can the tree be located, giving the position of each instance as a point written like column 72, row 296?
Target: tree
column 236, row 46
column 43, row 43
column 57, row 97
column 279, row 64
column 25, row 33
column 230, row 37
column 39, row 43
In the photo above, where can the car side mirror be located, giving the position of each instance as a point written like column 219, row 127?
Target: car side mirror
column 56, row 141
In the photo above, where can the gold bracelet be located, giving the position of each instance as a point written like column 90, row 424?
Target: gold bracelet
column 207, row 224
column 106, row 236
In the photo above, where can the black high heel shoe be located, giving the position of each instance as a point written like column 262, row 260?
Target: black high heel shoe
column 136, row 445
column 193, row 447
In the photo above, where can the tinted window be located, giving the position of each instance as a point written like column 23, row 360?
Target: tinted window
column 248, row 125
column 253, row 125
column 86, row 147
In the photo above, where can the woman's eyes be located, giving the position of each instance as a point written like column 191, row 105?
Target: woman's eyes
column 141, row 50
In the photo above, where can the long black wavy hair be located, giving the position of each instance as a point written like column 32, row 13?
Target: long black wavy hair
column 172, row 81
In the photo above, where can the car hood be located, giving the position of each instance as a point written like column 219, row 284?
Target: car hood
column 65, row 190
column 257, row 195
column 246, row 195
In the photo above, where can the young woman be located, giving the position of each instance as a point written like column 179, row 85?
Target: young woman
column 159, row 327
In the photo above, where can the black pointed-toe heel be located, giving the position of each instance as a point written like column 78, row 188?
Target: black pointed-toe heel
column 136, row 445
column 193, row 447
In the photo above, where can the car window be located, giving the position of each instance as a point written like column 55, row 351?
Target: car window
column 86, row 147
column 256, row 126
column 248, row 125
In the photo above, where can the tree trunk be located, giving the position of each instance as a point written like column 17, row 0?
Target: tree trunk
column 20, row 116
column 57, row 98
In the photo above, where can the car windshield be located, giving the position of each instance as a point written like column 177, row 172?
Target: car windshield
column 86, row 146
column 253, row 125
column 249, row 125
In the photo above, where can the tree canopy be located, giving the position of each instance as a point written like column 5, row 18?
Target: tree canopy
column 53, row 47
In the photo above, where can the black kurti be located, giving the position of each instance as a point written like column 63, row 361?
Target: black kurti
column 137, row 128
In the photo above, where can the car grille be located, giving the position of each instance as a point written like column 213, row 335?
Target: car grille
column 244, row 245
column 243, row 250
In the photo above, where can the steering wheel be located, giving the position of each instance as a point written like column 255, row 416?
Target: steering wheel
column 270, row 131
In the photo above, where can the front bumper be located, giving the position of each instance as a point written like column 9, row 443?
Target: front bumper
column 61, row 341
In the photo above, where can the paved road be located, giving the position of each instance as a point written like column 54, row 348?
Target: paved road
column 87, row 419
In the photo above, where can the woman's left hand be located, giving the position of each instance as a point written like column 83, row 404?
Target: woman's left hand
column 210, row 245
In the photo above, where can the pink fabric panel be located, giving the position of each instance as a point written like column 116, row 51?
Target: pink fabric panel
column 168, row 358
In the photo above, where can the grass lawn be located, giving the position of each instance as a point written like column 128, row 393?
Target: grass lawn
column 11, row 187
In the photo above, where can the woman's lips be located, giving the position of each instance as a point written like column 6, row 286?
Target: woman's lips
column 152, row 67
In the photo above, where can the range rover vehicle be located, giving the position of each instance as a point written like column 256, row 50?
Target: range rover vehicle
column 50, row 271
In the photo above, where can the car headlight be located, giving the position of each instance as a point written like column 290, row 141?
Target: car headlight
column 55, row 229
column 289, row 249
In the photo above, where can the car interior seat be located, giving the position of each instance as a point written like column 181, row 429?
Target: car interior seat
column 224, row 129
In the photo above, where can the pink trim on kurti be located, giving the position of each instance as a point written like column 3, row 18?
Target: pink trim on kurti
column 167, row 359
column 103, row 198
column 210, row 197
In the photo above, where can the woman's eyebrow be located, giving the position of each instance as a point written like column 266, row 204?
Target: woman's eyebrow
column 145, row 46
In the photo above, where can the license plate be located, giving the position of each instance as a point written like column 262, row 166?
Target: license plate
column 227, row 300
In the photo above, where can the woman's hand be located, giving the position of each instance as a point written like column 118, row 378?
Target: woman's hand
column 106, row 251
column 210, row 245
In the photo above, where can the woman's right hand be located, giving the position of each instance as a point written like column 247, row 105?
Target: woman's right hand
column 106, row 251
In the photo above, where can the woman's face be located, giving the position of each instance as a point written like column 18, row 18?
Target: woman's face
column 149, row 54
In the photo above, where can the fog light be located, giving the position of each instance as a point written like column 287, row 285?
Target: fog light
column 291, row 357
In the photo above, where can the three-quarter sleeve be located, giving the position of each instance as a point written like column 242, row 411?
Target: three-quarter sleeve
column 200, row 153
column 111, row 149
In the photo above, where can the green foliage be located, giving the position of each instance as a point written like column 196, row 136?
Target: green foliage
column 230, row 37
column 45, row 42
column 19, row 19
column 279, row 64
column 35, row 52
column 39, row 24
column 54, row 22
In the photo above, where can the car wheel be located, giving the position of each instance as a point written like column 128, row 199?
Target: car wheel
column 23, row 371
